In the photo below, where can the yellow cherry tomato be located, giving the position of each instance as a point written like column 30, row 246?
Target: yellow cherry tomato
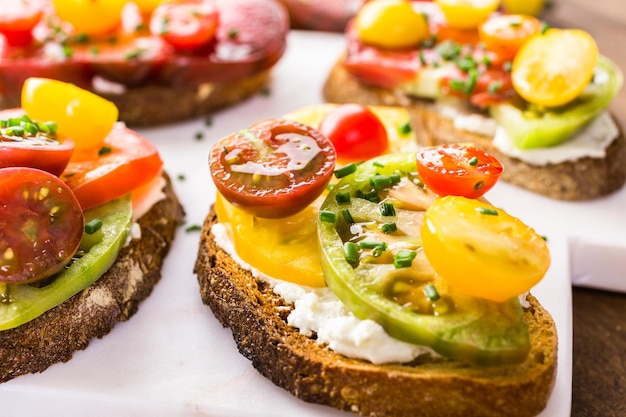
column 528, row 7
column 147, row 6
column 467, row 14
column 481, row 250
column 391, row 24
column 91, row 17
column 81, row 115
column 285, row 248
column 553, row 68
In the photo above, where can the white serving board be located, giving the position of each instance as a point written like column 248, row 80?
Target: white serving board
column 173, row 358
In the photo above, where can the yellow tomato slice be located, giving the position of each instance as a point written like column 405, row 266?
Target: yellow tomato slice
column 527, row 7
column 81, row 115
column 481, row 250
column 391, row 24
column 467, row 14
column 553, row 68
column 91, row 17
column 286, row 248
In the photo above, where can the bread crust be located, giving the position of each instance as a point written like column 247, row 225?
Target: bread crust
column 314, row 373
column 55, row 335
column 584, row 179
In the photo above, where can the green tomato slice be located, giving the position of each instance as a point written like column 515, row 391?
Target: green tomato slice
column 457, row 326
column 529, row 127
column 23, row 302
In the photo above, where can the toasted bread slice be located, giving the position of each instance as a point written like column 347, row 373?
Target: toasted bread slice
column 55, row 335
column 311, row 371
column 582, row 179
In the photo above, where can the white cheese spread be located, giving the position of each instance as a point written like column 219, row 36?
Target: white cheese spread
column 318, row 310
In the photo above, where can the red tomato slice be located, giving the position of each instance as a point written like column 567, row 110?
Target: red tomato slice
column 17, row 20
column 186, row 24
column 41, row 225
column 356, row 132
column 46, row 151
column 125, row 162
column 458, row 170
column 273, row 169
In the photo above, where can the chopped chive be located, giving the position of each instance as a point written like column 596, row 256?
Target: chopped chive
column 473, row 162
column 404, row 258
column 208, row 121
column 342, row 197
column 93, row 226
column 378, row 164
column 487, row 61
column 199, row 136
column 328, row 216
column 431, row 292
column 507, row 66
column 494, row 87
column 371, row 196
column 351, row 252
column 405, row 128
column 347, row 216
column 345, row 170
column 488, row 211
column 193, row 228
column 388, row 228
column 377, row 247
column 104, row 150
column 15, row 131
column 387, row 209
column 544, row 27
column 479, row 185
column 422, row 58
column 380, row 181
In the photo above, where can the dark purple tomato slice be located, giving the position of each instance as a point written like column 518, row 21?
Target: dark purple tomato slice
column 41, row 225
column 274, row 168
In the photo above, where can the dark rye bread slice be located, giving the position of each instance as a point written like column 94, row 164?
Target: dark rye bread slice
column 584, row 179
column 158, row 105
column 428, row 387
column 54, row 336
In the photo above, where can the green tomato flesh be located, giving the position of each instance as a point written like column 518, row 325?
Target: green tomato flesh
column 26, row 302
column 475, row 330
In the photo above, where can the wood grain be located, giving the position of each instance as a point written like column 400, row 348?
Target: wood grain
column 599, row 364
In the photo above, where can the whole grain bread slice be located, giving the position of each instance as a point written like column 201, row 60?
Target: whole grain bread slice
column 310, row 371
column 583, row 179
column 55, row 335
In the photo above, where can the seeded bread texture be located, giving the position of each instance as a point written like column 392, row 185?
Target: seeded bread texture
column 584, row 179
column 310, row 371
column 54, row 336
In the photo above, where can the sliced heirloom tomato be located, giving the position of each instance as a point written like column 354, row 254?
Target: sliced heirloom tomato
column 356, row 132
column 186, row 24
column 381, row 272
column 458, row 170
column 504, row 34
column 17, row 20
column 41, row 225
column 274, row 168
column 501, row 256
column 125, row 161
column 34, row 144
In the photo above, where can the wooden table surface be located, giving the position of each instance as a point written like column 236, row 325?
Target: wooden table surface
column 599, row 365
column 599, row 317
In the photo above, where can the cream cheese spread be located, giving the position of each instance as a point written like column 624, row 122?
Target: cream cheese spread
column 319, row 311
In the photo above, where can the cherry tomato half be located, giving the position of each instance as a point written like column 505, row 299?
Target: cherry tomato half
column 494, row 255
column 504, row 34
column 274, row 168
column 186, row 24
column 93, row 17
column 17, row 20
column 355, row 131
column 28, row 143
column 459, row 170
column 125, row 161
column 41, row 224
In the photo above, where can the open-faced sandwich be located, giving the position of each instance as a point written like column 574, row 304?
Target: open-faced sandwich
column 399, row 292
column 87, row 215
column 535, row 97
column 158, row 61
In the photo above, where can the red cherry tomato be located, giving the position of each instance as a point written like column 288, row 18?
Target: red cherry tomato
column 273, row 169
column 41, row 225
column 186, row 24
column 356, row 132
column 125, row 162
column 32, row 144
column 17, row 20
column 504, row 34
column 458, row 170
